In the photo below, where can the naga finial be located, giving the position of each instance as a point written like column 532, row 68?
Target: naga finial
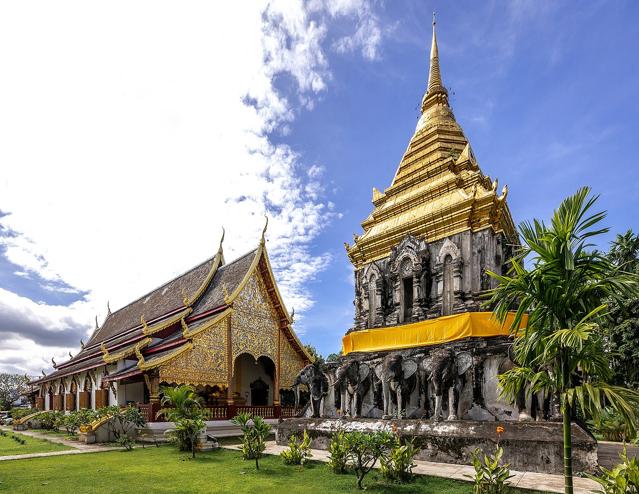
column 223, row 235
column 138, row 354
column 292, row 315
column 143, row 322
column 104, row 348
column 70, row 355
column 53, row 362
column 504, row 193
column 185, row 328
column 96, row 322
column 108, row 308
column 82, row 343
column 185, row 298
column 264, row 229
column 44, row 374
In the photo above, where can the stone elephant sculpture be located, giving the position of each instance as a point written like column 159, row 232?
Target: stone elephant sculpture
column 445, row 371
column 313, row 377
column 398, row 377
column 353, row 380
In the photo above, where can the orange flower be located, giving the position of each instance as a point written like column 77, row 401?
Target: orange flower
column 500, row 429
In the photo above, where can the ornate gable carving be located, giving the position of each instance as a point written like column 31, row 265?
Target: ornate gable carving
column 449, row 248
column 254, row 321
column 204, row 364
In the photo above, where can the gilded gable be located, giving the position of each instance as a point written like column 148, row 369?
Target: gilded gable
column 254, row 321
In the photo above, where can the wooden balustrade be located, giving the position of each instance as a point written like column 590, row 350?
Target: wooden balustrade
column 224, row 412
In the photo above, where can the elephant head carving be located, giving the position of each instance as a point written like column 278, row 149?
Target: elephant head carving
column 353, row 379
column 398, row 377
column 444, row 371
column 317, row 383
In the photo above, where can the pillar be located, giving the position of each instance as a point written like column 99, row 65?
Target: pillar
column 276, row 392
column 230, row 406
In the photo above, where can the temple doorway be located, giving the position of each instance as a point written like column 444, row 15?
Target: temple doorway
column 259, row 393
column 408, row 299
column 253, row 380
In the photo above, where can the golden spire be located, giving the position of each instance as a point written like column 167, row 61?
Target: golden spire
column 435, row 84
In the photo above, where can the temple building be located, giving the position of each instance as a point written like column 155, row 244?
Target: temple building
column 222, row 328
column 436, row 231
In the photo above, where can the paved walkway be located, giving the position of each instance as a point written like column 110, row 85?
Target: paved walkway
column 78, row 447
column 525, row 480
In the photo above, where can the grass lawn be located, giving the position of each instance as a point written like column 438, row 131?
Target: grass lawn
column 166, row 470
column 10, row 447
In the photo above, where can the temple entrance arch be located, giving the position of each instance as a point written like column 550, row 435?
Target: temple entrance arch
column 253, row 380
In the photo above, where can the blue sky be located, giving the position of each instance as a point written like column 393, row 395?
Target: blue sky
column 545, row 95
column 545, row 92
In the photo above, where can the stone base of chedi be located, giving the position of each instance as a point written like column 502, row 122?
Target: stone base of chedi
column 528, row 446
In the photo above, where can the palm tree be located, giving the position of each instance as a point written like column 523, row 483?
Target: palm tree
column 564, row 294
column 625, row 250
column 180, row 402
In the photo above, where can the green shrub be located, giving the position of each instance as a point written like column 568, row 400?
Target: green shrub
column 613, row 427
column 126, row 442
column 186, row 433
column 622, row 479
column 50, row 420
column 339, row 456
column 398, row 464
column 71, row 422
column 298, row 452
column 18, row 413
column 491, row 476
column 86, row 416
column 254, row 434
column 365, row 449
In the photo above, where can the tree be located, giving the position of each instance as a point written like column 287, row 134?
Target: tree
column 622, row 329
column 254, row 433
column 180, row 402
column 312, row 351
column 183, row 406
column 564, row 294
column 12, row 387
column 365, row 449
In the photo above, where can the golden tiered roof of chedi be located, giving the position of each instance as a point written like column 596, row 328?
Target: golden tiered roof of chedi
column 438, row 189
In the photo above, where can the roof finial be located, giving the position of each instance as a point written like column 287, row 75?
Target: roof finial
column 264, row 230
column 53, row 362
column 96, row 322
column 435, row 84
column 222, row 239
column 108, row 309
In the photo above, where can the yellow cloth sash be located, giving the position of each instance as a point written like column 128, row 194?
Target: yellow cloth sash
column 428, row 332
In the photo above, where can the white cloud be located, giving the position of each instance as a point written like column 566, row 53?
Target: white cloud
column 133, row 131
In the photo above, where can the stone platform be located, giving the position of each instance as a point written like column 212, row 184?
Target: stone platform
column 528, row 446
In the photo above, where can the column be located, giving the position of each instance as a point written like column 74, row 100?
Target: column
column 276, row 392
column 230, row 407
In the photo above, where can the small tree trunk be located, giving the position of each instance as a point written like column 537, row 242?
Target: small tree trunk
column 257, row 464
column 360, row 478
column 568, row 488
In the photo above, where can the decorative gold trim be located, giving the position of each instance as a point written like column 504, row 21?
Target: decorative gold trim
column 188, row 334
column 111, row 358
column 219, row 256
column 155, row 328
column 157, row 361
